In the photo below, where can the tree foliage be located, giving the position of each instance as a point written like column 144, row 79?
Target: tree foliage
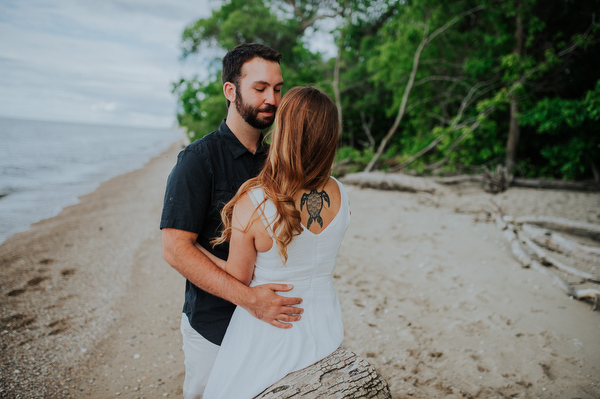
column 432, row 86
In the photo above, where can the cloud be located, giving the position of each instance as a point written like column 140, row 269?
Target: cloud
column 109, row 61
column 103, row 106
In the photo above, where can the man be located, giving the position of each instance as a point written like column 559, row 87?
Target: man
column 207, row 175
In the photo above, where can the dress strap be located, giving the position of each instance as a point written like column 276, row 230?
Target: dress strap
column 345, row 203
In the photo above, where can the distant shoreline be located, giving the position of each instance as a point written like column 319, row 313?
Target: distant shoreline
column 83, row 123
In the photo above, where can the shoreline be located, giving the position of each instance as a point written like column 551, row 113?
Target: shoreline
column 26, row 206
column 430, row 294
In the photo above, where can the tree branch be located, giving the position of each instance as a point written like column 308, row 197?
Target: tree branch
column 440, row 78
column 467, row 100
column 306, row 23
column 409, row 85
column 310, row 22
column 367, row 128
column 454, row 20
column 402, row 109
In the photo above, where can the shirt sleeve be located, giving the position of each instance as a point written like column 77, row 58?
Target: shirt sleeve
column 187, row 196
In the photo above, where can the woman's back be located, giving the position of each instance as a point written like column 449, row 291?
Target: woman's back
column 312, row 254
column 255, row 354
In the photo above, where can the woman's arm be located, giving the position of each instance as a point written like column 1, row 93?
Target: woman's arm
column 242, row 251
column 217, row 261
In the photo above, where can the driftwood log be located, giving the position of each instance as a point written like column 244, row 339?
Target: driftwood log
column 556, row 223
column 449, row 180
column 496, row 181
column 556, row 184
column 559, row 243
column 391, row 181
column 531, row 255
column 544, row 257
column 341, row 375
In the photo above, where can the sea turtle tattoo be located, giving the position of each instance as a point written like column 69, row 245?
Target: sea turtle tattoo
column 314, row 204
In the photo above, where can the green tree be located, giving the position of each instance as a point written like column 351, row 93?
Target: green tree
column 567, row 134
column 471, row 84
column 414, row 31
column 276, row 24
column 202, row 103
column 436, row 86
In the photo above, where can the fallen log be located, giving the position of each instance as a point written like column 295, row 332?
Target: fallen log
column 448, row 180
column 555, row 184
column 527, row 261
column 556, row 223
column 546, row 258
column 341, row 375
column 516, row 249
column 577, row 293
column 391, row 181
column 495, row 181
column 497, row 215
column 559, row 243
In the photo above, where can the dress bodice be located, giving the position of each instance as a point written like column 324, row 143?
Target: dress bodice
column 311, row 257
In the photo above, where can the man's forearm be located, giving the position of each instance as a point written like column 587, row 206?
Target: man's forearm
column 180, row 252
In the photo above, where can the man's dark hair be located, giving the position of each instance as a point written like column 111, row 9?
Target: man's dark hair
column 239, row 55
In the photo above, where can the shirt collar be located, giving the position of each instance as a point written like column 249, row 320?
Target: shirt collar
column 234, row 145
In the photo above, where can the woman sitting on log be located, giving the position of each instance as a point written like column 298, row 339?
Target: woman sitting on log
column 285, row 226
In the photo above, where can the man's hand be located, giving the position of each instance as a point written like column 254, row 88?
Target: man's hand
column 264, row 304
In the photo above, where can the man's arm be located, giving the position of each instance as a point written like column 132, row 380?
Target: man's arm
column 179, row 250
column 217, row 261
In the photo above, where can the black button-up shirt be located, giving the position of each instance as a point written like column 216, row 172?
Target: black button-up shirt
column 207, row 175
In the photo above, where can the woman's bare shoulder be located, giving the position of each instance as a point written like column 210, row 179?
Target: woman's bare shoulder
column 244, row 211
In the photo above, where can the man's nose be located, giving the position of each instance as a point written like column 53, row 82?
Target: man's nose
column 271, row 97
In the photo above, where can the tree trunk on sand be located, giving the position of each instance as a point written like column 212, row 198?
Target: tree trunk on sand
column 559, row 243
column 514, row 235
column 494, row 181
column 556, row 223
column 391, row 181
column 556, row 184
column 341, row 375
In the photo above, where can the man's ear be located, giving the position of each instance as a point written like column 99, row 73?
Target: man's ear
column 229, row 91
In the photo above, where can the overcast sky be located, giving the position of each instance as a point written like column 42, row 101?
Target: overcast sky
column 94, row 61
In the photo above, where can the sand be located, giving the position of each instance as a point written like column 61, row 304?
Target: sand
column 431, row 296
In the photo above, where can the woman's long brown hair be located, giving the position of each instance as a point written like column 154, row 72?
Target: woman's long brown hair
column 304, row 140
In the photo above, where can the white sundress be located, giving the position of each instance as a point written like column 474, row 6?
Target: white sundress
column 255, row 354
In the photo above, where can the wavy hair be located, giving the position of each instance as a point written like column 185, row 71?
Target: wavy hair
column 304, row 139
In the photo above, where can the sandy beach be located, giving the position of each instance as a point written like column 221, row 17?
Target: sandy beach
column 431, row 296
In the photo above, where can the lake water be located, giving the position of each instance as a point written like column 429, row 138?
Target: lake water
column 46, row 166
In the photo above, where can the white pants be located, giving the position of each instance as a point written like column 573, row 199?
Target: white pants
column 200, row 356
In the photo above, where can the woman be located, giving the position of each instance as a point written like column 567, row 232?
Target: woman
column 286, row 226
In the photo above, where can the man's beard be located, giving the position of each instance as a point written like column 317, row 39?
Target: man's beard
column 251, row 114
